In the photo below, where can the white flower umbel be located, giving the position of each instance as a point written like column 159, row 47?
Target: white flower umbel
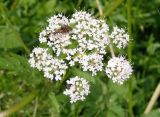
column 90, row 33
column 119, row 37
column 82, row 33
column 56, row 21
column 79, row 41
column 77, row 89
column 54, row 69
column 92, row 62
column 118, row 69
column 39, row 57
column 54, row 36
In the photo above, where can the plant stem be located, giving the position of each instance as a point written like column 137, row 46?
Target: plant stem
column 25, row 100
column 101, row 15
column 111, row 50
column 35, row 108
column 79, row 3
column 129, row 28
column 99, row 8
column 114, row 5
column 130, row 105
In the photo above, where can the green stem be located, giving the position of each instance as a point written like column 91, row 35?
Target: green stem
column 25, row 100
column 130, row 104
column 99, row 8
column 35, row 108
column 79, row 3
column 114, row 5
column 101, row 15
column 111, row 50
column 14, row 4
column 129, row 28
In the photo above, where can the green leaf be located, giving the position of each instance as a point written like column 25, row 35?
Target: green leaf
column 9, row 38
column 121, row 88
column 83, row 74
column 116, row 110
column 15, row 63
column 111, row 114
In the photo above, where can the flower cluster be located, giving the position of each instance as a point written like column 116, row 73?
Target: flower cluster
column 119, row 37
column 92, row 62
column 90, row 33
column 118, row 69
column 53, row 68
column 82, row 41
column 57, row 41
column 39, row 57
column 77, row 89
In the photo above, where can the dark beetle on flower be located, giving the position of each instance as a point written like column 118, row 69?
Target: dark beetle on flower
column 63, row 29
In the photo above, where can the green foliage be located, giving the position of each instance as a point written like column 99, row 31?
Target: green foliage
column 8, row 35
column 154, row 113
column 86, row 75
column 20, row 23
column 11, row 61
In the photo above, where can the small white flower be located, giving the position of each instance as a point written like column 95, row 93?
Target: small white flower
column 92, row 62
column 57, row 21
column 77, row 89
column 39, row 57
column 71, row 63
column 58, row 41
column 55, row 69
column 118, row 69
column 80, row 40
column 90, row 33
column 119, row 37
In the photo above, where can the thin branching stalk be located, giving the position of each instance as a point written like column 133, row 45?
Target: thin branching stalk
column 101, row 15
column 99, row 8
column 79, row 3
column 35, row 108
column 115, row 4
column 111, row 50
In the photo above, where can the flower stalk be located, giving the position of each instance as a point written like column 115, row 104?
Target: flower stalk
column 130, row 103
column 101, row 15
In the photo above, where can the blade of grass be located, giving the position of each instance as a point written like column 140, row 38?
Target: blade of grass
column 153, row 99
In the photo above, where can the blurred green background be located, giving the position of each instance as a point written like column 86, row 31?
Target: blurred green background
column 26, row 93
